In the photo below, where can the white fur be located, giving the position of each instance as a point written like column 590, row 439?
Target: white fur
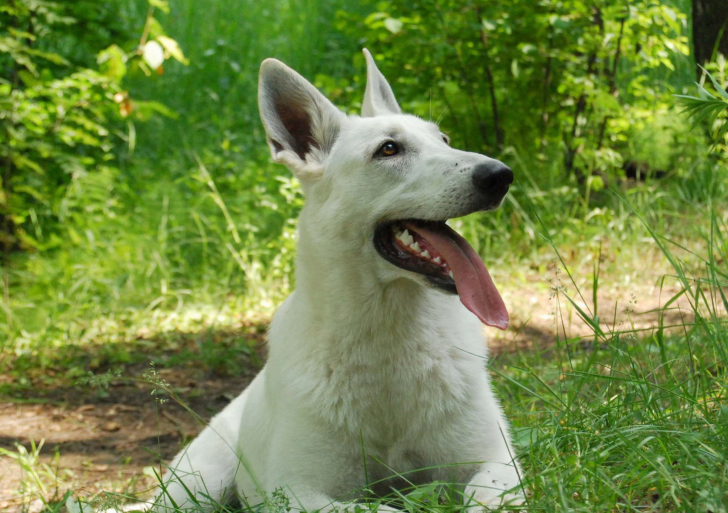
column 365, row 357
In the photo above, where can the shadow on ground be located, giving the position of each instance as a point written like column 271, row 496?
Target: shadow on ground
column 104, row 412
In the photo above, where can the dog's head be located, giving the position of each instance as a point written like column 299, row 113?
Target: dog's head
column 383, row 184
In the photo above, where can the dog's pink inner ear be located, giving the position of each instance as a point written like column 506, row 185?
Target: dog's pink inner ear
column 297, row 123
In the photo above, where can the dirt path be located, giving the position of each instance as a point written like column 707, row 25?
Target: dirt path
column 97, row 439
column 93, row 444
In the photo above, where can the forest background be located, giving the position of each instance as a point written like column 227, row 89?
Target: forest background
column 141, row 219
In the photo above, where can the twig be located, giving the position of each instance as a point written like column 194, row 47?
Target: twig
column 147, row 28
column 491, row 84
column 581, row 105
column 612, row 79
column 546, row 88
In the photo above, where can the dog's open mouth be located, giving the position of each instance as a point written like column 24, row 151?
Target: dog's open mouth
column 435, row 250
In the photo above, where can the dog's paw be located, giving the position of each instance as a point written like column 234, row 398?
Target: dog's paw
column 481, row 499
column 382, row 508
column 356, row 507
column 495, row 486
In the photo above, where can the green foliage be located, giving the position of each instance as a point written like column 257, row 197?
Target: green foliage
column 54, row 133
column 564, row 78
column 167, row 233
column 189, row 207
column 709, row 110
column 61, row 122
column 632, row 422
column 186, row 206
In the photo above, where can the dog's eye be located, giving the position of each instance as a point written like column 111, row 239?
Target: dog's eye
column 388, row 149
column 446, row 139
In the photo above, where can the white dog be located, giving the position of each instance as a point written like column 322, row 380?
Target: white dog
column 377, row 371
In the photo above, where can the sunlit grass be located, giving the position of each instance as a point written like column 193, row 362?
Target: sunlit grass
column 632, row 423
column 197, row 237
column 615, row 421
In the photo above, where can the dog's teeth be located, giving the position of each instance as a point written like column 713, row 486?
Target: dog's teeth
column 437, row 260
column 404, row 237
column 451, row 275
column 407, row 238
column 425, row 254
column 416, row 247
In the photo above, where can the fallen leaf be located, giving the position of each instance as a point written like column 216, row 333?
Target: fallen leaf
column 111, row 426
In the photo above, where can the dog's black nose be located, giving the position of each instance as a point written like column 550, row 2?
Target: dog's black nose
column 492, row 180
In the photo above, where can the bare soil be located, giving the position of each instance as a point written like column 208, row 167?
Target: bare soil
column 93, row 444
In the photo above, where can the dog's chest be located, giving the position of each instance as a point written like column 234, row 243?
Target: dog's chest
column 394, row 392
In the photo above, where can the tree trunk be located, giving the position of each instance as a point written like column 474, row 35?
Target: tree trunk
column 710, row 22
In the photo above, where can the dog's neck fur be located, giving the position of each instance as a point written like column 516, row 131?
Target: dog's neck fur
column 346, row 296
column 371, row 337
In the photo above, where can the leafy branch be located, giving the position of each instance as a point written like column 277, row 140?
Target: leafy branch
column 707, row 108
column 59, row 119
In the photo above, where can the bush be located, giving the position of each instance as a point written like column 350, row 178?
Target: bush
column 566, row 80
column 63, row 121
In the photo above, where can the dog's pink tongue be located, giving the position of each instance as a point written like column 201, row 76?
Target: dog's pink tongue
column 475, row 286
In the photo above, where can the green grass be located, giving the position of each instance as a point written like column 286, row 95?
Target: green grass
column 182, row 257
column 623, row 420
column 634, row 423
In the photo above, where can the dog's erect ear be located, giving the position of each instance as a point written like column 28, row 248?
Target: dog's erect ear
column 301, row 125
column 378, row 99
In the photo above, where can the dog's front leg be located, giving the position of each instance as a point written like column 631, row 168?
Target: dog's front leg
column 202, row 475
column 495, row 484
column 498, row 480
